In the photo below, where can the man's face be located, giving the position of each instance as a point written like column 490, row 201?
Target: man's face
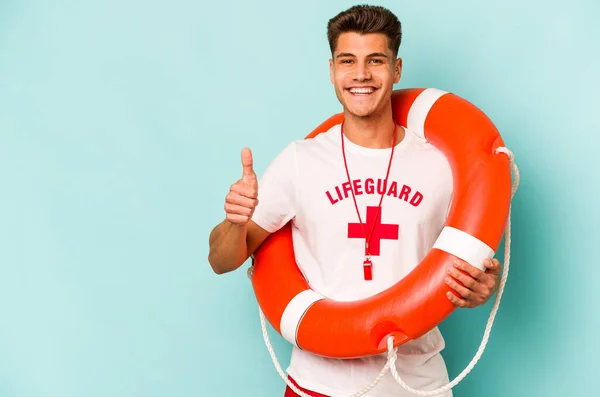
column 363, row 70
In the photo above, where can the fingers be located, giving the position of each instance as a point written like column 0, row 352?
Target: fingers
column 467, row 280
column 471, row 286
column 468, row 268
column 461, row 295
column 248, row 174
column 238, row 214
column 233, row 209
column 245, row 190
column 243, row 200
column 240, row 203
column 464, row 292
column 456, row 300
column 463, row 285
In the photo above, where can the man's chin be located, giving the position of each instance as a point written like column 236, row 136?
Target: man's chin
column 360, row 112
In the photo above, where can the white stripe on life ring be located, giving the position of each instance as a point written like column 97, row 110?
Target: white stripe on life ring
column 464, row 246
column 293, row 313
column 420, row 109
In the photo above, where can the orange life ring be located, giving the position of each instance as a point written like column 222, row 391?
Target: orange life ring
column 417, row 303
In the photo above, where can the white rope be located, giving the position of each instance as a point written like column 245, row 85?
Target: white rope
column 392, row 352
column 286, row 379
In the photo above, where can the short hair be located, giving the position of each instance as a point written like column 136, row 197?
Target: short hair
column 365, row 19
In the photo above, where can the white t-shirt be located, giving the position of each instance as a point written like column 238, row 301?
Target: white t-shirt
column 307, row 184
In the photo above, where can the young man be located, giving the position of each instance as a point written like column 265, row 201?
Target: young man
column 366, row 180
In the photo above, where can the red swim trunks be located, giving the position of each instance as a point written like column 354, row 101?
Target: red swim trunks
column 290, row 393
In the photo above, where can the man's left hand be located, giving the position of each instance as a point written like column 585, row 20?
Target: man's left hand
column 476, row 287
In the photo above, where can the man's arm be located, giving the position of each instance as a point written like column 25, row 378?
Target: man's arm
column 232, row 244
column 237, row 237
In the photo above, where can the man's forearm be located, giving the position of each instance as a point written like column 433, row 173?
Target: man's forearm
column 228, row 247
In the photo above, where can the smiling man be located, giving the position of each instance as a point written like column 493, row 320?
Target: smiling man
column 367, row 200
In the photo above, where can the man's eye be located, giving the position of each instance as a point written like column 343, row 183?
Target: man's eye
column 377, row 60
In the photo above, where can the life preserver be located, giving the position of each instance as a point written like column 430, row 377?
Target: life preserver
column 417, row 303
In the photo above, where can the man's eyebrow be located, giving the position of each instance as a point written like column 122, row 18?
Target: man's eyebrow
column 377, row 54
column 374, row 54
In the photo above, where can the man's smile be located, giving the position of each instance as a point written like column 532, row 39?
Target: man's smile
column 361, row 91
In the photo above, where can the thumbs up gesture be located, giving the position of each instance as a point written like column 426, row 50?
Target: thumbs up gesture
column 242, row 199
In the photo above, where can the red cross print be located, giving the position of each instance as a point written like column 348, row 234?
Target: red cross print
column 381, row 231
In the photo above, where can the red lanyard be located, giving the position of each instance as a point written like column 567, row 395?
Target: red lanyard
column 367, row 264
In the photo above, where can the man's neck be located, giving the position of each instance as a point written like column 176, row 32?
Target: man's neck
column 373, row 133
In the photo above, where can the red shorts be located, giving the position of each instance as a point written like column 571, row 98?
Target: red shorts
column 290, row 393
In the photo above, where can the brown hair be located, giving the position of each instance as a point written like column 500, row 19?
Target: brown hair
column 365, row 19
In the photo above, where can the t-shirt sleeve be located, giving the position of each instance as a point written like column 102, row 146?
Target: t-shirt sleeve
column 277, row 191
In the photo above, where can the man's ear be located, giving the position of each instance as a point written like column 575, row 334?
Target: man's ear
column 398, row 70
column 331, row 71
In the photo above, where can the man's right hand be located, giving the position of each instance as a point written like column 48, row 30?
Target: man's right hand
column 242, row 198
column 237, row 237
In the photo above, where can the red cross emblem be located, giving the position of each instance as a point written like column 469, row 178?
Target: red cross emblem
column 380, row 231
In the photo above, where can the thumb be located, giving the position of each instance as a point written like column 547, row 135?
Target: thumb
column 493, row 266
column 247, row 162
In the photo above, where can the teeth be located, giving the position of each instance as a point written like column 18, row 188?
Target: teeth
column 361, row 90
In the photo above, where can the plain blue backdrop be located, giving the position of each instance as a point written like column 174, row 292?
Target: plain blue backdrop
column 121, row 125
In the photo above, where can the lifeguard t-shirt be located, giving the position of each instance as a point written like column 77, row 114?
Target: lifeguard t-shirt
column 307, row 184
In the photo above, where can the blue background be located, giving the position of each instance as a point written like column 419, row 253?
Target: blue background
column 121, row 125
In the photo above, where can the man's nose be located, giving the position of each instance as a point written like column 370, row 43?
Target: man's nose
column 362, row 72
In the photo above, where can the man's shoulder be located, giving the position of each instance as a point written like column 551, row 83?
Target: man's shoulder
column 427, row 155
column 323, row 139
column 419, row 144
column 322, row 143
column 298, row 148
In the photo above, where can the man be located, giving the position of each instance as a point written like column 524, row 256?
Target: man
column 365, row 188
